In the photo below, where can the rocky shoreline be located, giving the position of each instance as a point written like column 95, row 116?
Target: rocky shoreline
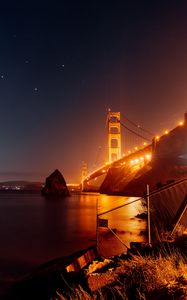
column 118, row 276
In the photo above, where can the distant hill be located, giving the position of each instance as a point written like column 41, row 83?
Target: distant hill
column 21, row 185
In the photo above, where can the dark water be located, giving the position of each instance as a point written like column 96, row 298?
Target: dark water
column 34, row 230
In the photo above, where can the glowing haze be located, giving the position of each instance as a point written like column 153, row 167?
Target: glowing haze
column 63, row 64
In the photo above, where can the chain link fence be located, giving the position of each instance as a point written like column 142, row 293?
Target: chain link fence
column 123, row 220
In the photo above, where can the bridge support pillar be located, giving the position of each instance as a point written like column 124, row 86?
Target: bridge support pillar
column 114, row 136
column 83, row 174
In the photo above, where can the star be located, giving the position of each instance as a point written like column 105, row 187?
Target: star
column 2, row 76
column 35, row 89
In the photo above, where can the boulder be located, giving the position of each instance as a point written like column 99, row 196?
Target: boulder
column 55, row 185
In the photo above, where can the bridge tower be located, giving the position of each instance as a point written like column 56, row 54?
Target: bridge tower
column 114, row 136
column 83, row 173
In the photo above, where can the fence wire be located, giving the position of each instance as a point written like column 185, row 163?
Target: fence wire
column 125, row 218
column 119, row 224
column 164, row 206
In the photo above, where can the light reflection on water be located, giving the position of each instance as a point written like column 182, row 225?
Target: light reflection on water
column 122, row 221
column 34, row 230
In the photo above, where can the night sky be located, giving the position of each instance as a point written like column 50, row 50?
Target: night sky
column 63, row 64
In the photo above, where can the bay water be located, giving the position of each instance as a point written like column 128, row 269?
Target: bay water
column 35, row 229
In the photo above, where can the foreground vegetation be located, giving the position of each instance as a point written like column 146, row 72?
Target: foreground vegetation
column 149, row 277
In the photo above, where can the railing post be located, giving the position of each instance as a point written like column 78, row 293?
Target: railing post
column 148, row 217
column 97, row 233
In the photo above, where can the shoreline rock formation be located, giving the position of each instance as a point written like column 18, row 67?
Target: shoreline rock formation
column 55, row 185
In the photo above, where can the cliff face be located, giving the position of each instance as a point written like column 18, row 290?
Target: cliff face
column 168, row 164
column 172, row 146
column 55, row 185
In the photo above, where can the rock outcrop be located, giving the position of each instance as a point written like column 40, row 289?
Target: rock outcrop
column 55, row 185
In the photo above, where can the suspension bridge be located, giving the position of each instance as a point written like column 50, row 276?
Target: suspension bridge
column 138, row 149
column 140, row 145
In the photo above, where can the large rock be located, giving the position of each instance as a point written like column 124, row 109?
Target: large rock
column 55, row 185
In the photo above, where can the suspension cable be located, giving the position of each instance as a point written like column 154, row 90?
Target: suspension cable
column 138, row 126
column 132, row 131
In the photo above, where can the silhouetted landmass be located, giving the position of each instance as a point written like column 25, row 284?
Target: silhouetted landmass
column 55, row 185
column 20, row 186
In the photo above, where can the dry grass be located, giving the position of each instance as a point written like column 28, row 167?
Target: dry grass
column 164, row 277
column 149, row 276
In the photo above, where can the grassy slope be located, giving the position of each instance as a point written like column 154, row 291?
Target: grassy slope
column 163, row 277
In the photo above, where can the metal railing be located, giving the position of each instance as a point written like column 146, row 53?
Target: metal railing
column 166, row 209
